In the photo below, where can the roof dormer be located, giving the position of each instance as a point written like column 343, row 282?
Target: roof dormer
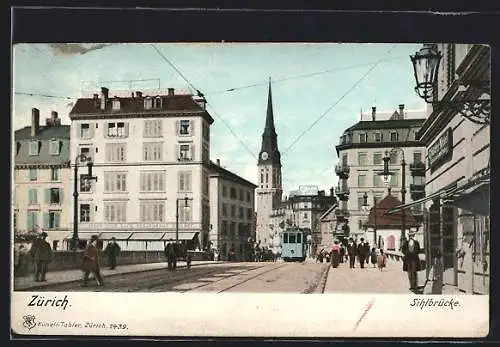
column 116, row 103
column 148, row 103
column 158, row 102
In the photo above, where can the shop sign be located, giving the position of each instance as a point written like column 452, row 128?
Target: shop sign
column 441, row 150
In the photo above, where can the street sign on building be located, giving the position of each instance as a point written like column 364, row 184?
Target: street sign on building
column 308, row 190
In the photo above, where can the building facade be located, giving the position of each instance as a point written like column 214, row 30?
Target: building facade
column 361, row 150
column 269, row 189
column 151, row 160
column 232, row 201
column 457, row 139
column 42, row 179
column 300, row 210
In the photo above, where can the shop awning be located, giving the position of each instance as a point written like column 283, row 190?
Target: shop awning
column 145, row 236
column 117, row 235
column 475, row 198
column 185, row 235
column 438, row 194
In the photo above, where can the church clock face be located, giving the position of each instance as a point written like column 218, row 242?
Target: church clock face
column 264, row 156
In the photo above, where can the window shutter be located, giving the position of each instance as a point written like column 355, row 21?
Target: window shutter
column 91, row 130
column 57, row 216
column 105, row 129
column 79, row 130
column 126, row 129
column 192, row 151
column 45, row 220
column 61, row 195
column 191, row 126
column 177, row 127
column 29, row 220
column 188, row 181
column 161, row 182
column 47, row 195
column 92, row 213
column 177, row 151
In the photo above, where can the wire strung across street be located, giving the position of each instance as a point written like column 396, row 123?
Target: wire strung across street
column 323, row 115
column 200, row 94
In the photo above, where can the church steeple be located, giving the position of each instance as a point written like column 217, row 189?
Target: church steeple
column 269, row 153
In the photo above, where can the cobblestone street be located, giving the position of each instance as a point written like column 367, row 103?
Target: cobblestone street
column 391, row 280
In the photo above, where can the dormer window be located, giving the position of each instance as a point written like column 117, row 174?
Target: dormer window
column 34, row 147
column 54, row 147
column 116, row 104
column 394, row 136
column 157, row 102
column 377, row 137
column 362, row 138
column 148, row 103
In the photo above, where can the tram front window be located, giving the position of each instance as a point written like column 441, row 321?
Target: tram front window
column 285, row 238
column 299, row 238
column 292, row 238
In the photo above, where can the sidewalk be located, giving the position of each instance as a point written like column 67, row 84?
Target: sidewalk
column 66, row 276
column 392, row 280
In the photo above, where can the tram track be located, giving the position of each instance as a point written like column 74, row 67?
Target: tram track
column 233, row 285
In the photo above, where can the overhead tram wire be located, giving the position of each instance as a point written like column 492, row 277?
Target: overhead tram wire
column 200, row 94
column 47, row 95
column 303, row 76
column 350, row 89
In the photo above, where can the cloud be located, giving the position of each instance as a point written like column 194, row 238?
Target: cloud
column 75, row 48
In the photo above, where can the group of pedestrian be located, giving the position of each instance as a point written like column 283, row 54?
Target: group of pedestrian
column 365, row 254
column 41, row 253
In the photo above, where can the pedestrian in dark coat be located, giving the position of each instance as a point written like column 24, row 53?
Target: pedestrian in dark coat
column 42, row 256
column 351, row 252
column 342, row 253
column 411, row 261
column 170, row 255
column 367, row 251
column 373, row 256
column 362, row 253
column 91, row 262
column 112, row 251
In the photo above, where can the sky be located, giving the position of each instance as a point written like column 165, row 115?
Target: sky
column 318, row 90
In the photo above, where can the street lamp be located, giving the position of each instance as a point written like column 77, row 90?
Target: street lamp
column 374, row 208
column 425, row 62
column 387, row 175
column 81, row 158
column 186, row 199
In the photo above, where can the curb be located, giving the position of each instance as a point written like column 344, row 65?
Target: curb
column 48, row 285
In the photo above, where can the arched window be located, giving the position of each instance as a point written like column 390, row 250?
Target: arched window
column 391, row 243
column 157, row 102
column 148, row 103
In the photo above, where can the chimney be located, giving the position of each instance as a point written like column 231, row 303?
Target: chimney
column 104, row 97
column 35, row 121
column 218, row 162
column 170, row 91
column 53, row 120
column 331, row 191
column 401, row 110
column 96, row 100
column 138, row 94
column 374, row 112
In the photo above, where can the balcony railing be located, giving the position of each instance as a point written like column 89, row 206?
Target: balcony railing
column 137, row 226
column 417, row 191
column 342, row 170
column 342, row 191
column 417, row 169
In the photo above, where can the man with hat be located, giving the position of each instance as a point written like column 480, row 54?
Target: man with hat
column 411, row 261
column 42, row 255
column 91, row 262
column 351, row 252
column 112, row 250
column 362, row 253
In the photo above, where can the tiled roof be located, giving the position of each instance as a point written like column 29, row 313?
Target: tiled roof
column 22, row 142
column 44, row 133
column 386, row 124
column 216, row 170
column 179, row 103
column 393, row 220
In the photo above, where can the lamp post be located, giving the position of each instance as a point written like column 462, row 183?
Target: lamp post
column 387, row 174
column 81, row 158
column 186, row 199
column 365, row 204
column 426, row 69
